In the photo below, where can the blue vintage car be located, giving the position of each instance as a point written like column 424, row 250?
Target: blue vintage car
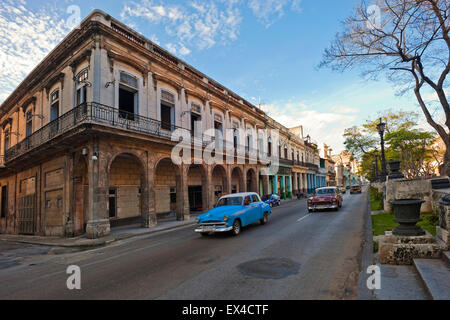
column 233, row 212
column 272, row 200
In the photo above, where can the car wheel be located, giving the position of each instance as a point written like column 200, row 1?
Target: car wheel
column 264, row 219
column 236, row 227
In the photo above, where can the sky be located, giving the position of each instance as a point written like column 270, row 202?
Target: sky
column 266, row 51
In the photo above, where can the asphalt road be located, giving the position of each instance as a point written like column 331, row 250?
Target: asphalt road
column 295, row 256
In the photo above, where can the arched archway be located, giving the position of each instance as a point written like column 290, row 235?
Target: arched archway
column 219, row 182
column 237, row 180
column 168, row 191
column 197, row 188
column 127, row 185
column 252, row 185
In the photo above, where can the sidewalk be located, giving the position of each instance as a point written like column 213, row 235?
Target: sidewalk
column 118, row 233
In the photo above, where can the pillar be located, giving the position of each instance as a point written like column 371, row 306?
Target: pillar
column 295, row 183
column 98, row 218
column 148, row 207
column 275, row 184
column 289, row 180
column 182, row 186
column 265, row 184
column 283, row 188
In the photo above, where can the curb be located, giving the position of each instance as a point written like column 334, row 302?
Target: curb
column 97, row 242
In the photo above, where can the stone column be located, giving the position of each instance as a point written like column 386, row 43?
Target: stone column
column 98, row 218
column 265, row 183
column 149, row 214
column 275, row 184
column 228, row 167
column 283, row 188
column 211, row 196
column 289, row 187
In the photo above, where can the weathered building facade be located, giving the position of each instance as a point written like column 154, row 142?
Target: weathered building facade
column 87, row 142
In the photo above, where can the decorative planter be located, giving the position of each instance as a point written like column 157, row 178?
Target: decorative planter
column 394, row 170
column 407, row 214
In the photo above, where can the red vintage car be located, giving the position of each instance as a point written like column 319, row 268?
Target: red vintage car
column 325, row 198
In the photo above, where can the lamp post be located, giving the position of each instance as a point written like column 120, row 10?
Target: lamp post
column 375, row 153
column 381, row 127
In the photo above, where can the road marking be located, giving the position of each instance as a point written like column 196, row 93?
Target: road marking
column 304, row 217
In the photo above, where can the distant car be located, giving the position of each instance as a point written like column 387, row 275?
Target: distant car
column 272, row 200
column 325, row 198
column 355, row 189
column 232, row 212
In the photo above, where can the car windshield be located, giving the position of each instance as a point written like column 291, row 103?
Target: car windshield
column 355, row 187
column 232, row 201
column 325, row 191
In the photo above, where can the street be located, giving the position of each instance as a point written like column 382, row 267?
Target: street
column 295, row 256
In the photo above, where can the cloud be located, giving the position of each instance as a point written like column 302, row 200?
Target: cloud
column 196, row 23
column 344, row 109
column 26, row 37
column 325, row 127
column 269, row 11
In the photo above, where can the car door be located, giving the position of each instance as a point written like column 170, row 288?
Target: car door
column 256, row 208
column 246, row 217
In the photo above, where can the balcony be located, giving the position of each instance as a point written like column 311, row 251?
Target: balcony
column 286, row 162
column 95, row 113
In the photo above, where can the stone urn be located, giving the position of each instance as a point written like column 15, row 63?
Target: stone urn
column 394, row 170
column 407, row 214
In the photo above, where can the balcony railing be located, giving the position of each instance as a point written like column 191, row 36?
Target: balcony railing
column 108, row 116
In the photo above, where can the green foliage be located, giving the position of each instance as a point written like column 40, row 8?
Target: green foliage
column 385, row 222
column 376, row 199
column 403, row 141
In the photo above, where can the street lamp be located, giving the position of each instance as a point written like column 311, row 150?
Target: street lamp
column 375, row 153
column 381, row 127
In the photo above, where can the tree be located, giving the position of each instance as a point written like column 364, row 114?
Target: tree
column 404, row 142
column 407, row 39
column 412, row 148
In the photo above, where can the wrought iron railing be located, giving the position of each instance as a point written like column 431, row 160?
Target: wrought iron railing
column 104, row 115
column 286, row 162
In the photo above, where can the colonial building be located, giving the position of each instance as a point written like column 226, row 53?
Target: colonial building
column 87, row 144
column 346, row 168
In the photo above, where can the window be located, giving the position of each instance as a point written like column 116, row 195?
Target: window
column 113, row 203
column 285, row 151
column 196, row 119
column 54, row 105
column 4, row 208
column 279, row 149
column 293, row 155
column 269, row 147
column 255, row 198
column 81, row 87
column 29, row 123
column 235, row 134
column 249, row 141
column 173, row 195
column 6, row 143
column 128, row 96
column 167, row 111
